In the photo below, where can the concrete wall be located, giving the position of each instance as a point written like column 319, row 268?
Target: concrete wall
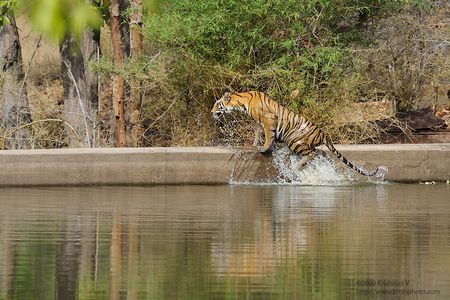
column 200, row 165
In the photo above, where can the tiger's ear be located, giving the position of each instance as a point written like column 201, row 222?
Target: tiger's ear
column 226, row 96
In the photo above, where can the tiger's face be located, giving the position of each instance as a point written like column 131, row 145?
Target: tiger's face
column 226, row 104
column 220, row 107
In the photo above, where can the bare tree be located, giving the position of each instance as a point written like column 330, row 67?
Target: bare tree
column 118, row 80
column 136, row 128
column 15, row 109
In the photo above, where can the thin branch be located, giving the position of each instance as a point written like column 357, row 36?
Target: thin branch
column 157, row 119
column 80, row 102
column 22, row 85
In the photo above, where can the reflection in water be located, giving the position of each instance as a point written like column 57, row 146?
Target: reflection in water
column 234, row 242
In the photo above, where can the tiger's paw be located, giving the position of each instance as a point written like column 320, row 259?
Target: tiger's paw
column 263, row 150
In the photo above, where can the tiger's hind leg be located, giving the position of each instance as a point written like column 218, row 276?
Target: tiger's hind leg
column 313, row 155
column 307, row 159
column 308, row 153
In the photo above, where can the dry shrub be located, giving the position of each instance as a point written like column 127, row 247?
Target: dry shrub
column 405, row 67
column 49, row 129
column 410, row 52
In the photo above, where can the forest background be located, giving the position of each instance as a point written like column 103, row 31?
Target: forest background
column 129, row 73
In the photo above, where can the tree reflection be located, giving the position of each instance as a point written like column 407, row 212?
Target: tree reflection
column 218, row 242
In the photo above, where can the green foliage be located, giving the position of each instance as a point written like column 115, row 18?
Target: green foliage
column 269, row 41
column 152, row 5
column 249, row 33
column 5, row 6
column 296, row 51
column 293, row 50
column 56, row 17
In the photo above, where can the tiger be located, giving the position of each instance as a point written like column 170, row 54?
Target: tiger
column 283, row 125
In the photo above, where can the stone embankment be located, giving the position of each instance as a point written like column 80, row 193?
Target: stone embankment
column 200, row 165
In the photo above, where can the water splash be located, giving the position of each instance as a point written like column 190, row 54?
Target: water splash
column 292, row 170
column 379, row 176
column 319, row 171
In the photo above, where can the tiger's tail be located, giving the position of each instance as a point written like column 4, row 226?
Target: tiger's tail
column 378, row 172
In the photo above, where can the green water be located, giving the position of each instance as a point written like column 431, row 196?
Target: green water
column 226, row 242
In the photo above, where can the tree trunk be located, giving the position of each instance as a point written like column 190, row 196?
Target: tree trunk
column 124, row 5
column 116, row 256
column 80, row 87
column 133, row 255
column 136, row 27
column 91, row 52
column 74, row 82
column 9, row 251
column 118, row 81
column 136, row 128
column 67, row 258
column 15, row 109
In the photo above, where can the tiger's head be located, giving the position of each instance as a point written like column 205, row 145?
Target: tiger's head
column 221, row 106
column 227, row 104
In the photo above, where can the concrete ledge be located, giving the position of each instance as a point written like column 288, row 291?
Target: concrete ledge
column 115, row 166
column 406, row 162
column 200, row 165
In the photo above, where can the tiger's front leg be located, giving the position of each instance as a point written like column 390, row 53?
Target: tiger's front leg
column 269, row 135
